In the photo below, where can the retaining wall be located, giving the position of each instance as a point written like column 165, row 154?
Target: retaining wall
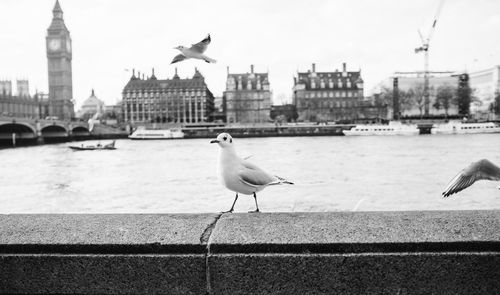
column 441, row 252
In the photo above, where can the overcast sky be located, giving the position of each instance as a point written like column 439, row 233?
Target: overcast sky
column 281, row 37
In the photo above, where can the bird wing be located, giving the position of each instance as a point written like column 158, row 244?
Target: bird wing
column 178, row 58
column 480, row 170
column 201, row 46
column 254, row 176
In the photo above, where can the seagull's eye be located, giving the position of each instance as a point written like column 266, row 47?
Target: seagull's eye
column 225, row 138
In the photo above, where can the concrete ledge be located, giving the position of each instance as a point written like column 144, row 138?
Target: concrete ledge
column 438, row 252
column 357, row 232
column 103, row 233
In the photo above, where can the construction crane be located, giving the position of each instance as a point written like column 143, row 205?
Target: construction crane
column 425, row 48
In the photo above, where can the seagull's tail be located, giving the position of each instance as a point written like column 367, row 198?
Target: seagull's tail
column 281, row 180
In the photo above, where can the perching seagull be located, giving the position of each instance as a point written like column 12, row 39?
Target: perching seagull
column 239, row 175
column 195, row 51
column 482, row 169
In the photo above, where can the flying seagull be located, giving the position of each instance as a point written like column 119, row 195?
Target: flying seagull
column 239, row 175
column 195, row 51
column 482, row 169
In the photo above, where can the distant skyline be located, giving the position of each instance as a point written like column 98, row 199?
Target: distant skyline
column 280, row 37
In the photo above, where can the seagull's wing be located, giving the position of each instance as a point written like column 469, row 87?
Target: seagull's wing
column 480, row 170
column 178, row 58
column 254, row 176
column 201, row 46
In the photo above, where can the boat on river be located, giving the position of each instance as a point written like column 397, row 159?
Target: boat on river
column 144, row 134
column 393, row 128
column 457, row 127
column 109, row 146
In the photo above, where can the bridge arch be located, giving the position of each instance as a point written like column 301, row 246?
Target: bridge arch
column 54, row 131
column 22, row 131
column 80, row 131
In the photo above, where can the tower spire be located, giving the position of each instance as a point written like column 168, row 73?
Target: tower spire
column 57, row 11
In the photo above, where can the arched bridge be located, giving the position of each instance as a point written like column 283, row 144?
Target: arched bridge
column 31, row 129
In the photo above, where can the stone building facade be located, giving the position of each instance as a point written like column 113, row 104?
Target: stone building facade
column 247, row 97
column 21, row 104
column 59, row 58
column 330, row 96
column 149, row 100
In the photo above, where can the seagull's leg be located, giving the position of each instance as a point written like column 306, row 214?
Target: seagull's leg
column 232, row 207
column 256, row 205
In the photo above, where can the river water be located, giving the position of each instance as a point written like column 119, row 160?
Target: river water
column 335, row 173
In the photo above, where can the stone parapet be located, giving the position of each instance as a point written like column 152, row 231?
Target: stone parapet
column 414, row 252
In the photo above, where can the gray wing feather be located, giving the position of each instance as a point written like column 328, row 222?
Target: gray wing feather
column 178, row 58
column 480, row 170
column 254, row 176
column 201, row 46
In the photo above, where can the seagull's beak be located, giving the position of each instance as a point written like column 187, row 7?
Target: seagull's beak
column 214, row 141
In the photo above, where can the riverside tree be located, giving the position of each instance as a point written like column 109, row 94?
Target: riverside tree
column 384, row 98
column 416, row 93
column 444, row 98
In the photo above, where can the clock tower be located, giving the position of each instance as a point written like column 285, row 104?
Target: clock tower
column 59, row 65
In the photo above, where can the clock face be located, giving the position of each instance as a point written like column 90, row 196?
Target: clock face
column 68, row 45
column 54, row 44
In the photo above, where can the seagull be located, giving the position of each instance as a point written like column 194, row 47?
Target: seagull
column 239, row 175
column 479, row 170
column 195, row 51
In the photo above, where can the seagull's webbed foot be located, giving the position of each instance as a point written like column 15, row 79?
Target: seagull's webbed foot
column 232, row 207
column 254, row 211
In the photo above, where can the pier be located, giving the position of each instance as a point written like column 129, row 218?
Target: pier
column 268, row 130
